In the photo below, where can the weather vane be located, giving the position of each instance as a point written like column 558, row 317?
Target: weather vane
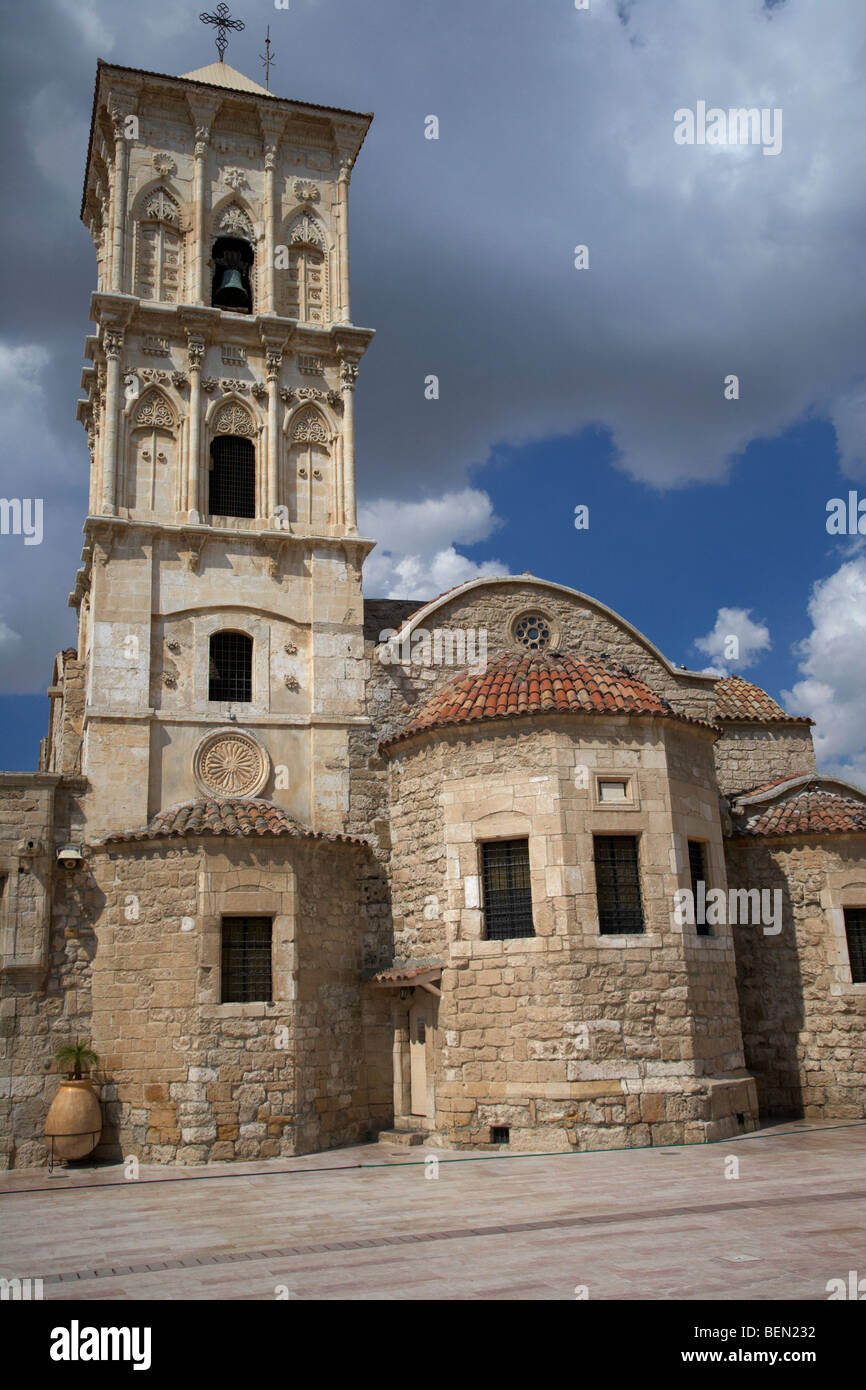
column 223, row 23
column 267, row 59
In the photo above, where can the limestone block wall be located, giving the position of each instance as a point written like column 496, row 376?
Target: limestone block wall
column 597, row 1039
column 45, row 963
column 804, row 1022
column 188, row 1078
column 750, row 755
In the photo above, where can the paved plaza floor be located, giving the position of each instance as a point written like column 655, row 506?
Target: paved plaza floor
column 369, row 1223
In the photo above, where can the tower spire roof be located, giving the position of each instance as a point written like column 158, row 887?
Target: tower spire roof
column 224, row 75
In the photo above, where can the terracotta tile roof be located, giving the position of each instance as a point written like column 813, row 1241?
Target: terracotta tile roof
column 539, row 683
column 741, row 700
column 223, row 816
column 401, row 970
column 813, row 810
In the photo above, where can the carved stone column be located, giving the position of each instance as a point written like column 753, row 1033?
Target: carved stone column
column 274, row 360
column 348, row 380
column 343, row 197
column 195, row 360
column 272, row 128
column 112, row 342
column 203, row 112
column 118, row 229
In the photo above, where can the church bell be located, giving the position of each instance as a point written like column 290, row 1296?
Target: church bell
column 230, row 292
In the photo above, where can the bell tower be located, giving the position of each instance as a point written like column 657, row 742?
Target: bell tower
column 219, row 598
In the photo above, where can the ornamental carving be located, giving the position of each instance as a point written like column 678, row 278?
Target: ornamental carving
column 153, row 375
column 209, row 383
column 274, row 360
column 161, row 207
column 348, row 375
column 233, row 419
column 236, row 179
column 234, row 222
column 113, row 343
column 154, row 412
column 164, row 164
column 231, row 383
column 259, row 390
column 305, row 231
column 178, row 379
column 309, row 428
column 305, row 191
column 287, row 394
column 230, row 762
column 195, row 354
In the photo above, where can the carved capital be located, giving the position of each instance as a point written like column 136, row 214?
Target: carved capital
column 348, row 375
column 195, row 353
column 274, row 361
column 112, row 342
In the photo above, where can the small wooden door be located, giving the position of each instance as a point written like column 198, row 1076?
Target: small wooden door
column 420, row 1023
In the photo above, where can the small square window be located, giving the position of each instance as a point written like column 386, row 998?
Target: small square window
column 500, row 1134
column 855, row 932
column 610, row 789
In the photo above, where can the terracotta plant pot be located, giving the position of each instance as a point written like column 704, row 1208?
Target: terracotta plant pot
column 74, row 1121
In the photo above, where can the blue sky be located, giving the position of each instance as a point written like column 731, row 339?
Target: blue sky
column 558, row 386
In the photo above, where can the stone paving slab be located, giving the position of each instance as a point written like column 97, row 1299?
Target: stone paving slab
column 363, row 1224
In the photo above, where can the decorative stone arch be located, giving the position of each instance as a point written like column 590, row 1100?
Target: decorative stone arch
column 311, row 483
column 232, row 417
column 303, row 286
column 205, row 624
column 158, row 243
column 232, row 216
column 151, row 409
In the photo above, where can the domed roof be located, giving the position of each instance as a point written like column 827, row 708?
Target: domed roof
column 223, row 816
column 520, row 683
column 737, row 699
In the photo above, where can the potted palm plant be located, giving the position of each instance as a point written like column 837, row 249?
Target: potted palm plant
column 74, row 1121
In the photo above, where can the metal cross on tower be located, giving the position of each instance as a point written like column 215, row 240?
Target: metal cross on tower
column 268, row 59
column 223, row 22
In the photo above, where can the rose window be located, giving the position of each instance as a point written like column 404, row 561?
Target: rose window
column 532, row 631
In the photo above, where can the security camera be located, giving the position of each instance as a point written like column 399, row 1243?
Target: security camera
column 69, row 857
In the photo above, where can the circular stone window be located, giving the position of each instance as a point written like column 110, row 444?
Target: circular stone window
column 229, row 762
column 533, row 631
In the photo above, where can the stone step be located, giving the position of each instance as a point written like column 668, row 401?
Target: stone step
column 401, row 1136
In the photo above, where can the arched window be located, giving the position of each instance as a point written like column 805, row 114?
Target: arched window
column 230, row 288
column 232, row 477
column 231, row 667
column 310, row 468
column 158, row 249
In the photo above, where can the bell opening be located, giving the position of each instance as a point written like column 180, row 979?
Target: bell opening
column 232, row 259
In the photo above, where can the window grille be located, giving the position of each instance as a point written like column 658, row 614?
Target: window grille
column 500, row 1134
column 246, row 960
column 507, row 893
column 231, row 667
column 617, row 883
column 855, row 931
column 698, row 871
column 232, row 477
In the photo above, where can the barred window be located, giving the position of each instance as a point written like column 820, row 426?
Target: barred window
column 246, row 960
column 232, row 477
column 231, row 667
column 617, row 884
column 507, row 894
column 855, row 931
column 698, row 871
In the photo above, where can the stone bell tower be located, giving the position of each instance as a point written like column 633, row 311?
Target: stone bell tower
column 219, row 598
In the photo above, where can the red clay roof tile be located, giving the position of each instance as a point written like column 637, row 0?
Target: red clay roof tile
column 737, row 699
column 223, row 816
column 538, row 683
column 812, row 811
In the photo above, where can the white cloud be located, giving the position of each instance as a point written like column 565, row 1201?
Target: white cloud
column 849, row 421
column 416, row 555
column 832, row 689
column 735, row 642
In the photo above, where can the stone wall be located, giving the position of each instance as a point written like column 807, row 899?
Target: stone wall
column 804, row 1022
column 752, row 755
column 595, row 1040
column 47, row 948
